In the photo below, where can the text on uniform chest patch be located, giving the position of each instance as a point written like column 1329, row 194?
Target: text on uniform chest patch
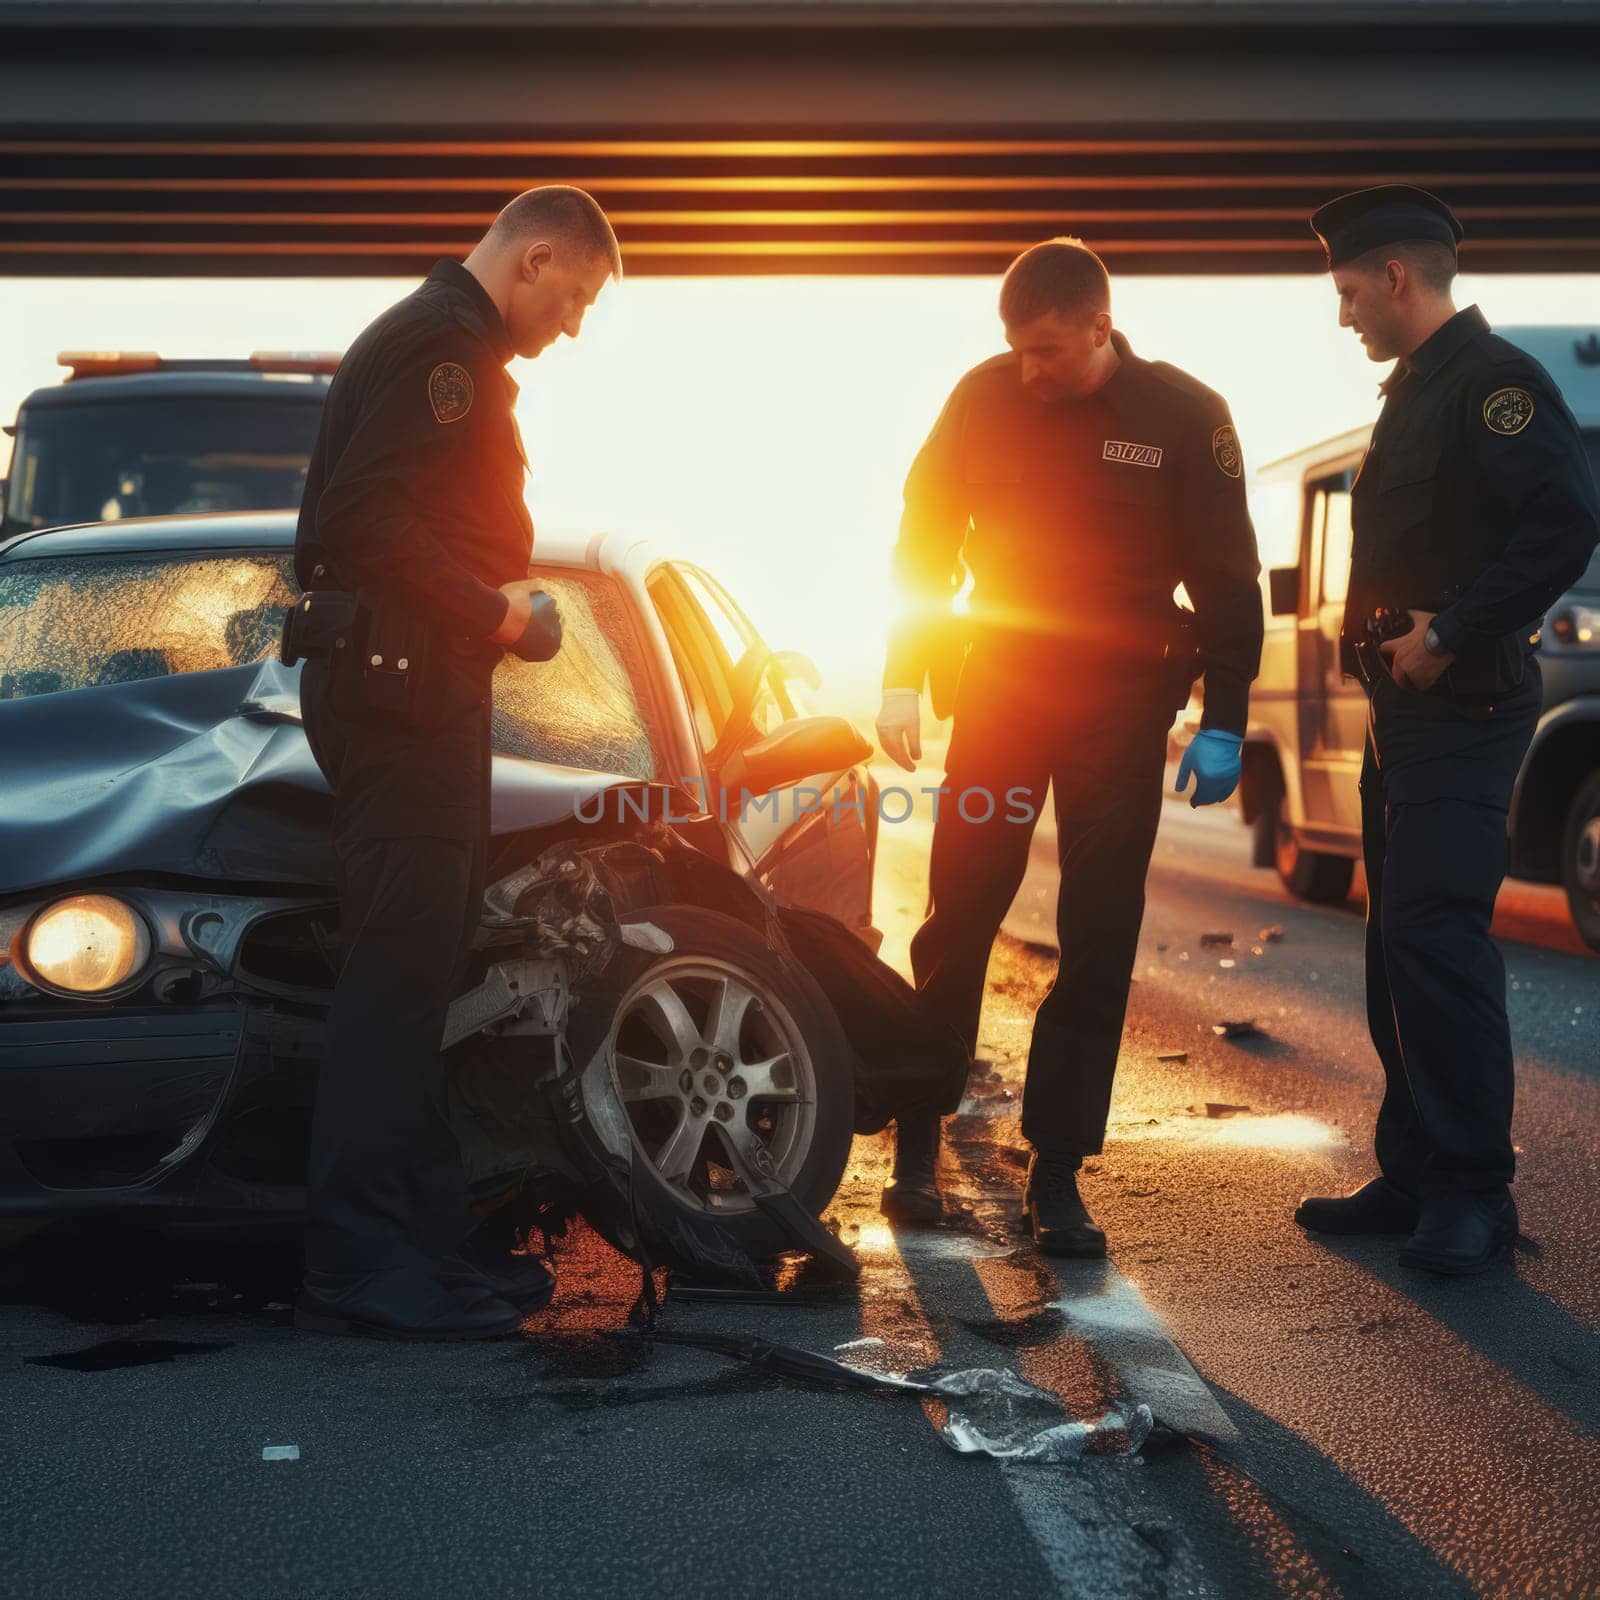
column 1137, row 455
column 1508, row 411
column 450, row 391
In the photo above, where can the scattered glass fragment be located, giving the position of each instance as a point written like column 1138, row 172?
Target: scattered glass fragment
column 995, row 1413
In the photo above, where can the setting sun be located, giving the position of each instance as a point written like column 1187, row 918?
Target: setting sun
column 763, row 426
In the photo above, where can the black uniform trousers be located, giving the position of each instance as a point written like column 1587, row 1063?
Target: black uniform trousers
column 1435, row 788
column 1099, row 738
column 387, row 1187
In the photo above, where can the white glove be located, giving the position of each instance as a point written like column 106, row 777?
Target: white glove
column 900, row 727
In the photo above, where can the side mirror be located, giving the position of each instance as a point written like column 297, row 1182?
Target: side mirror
column 797, row 664
column 745, row 688
column 797, row 750
column 1284, row 585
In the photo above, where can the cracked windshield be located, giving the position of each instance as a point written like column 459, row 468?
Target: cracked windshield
column 85, row 621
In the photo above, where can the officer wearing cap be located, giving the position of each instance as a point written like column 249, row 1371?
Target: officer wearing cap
column 414, row 533
column 1078, row 485
column 1474, row 509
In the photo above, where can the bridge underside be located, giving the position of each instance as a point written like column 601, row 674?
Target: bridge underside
column 1172, row 147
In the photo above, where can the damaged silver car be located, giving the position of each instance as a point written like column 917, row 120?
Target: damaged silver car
column 675, row 1020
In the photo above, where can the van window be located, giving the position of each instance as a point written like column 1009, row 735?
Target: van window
column 1336, row 544
column 1275, row 515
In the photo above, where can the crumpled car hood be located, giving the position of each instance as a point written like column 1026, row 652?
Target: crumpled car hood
column 202, row 774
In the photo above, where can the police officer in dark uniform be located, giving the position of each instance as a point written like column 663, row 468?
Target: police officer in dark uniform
column 1473, row 511
column 1078, row 485
column 413, row 549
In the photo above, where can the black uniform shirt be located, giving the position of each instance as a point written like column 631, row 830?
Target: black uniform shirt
column 1475, row 498
column 1078, row 519
column 415, row 488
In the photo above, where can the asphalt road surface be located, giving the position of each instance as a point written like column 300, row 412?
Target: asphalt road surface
column 1332, row 1424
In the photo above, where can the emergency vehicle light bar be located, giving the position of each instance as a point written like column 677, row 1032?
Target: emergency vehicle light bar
column 297, row 360
column 112, row 363
column 102, row 363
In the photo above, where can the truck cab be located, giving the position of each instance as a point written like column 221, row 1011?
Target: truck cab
column 129, row 434
column 1308, row 723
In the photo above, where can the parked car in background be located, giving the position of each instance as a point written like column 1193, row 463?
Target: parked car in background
column 641, row 1027
column 129, row 434
column 1302, row 755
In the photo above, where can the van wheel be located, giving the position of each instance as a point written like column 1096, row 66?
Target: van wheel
column 1311, row 875
column 1580, row 861
column 1264, row 830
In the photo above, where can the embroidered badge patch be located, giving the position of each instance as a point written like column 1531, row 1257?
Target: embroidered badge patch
column 450, row 391
column 1508, row 411
column 1138, row 455
column 1225, row 451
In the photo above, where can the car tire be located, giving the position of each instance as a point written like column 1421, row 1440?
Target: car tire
column 616, row 1023
column 1580, row 860
column 1310, row 875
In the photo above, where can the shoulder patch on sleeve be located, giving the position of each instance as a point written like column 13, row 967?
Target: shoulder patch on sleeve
column 450, row 391
column 1225, row 450
column 1508, row 411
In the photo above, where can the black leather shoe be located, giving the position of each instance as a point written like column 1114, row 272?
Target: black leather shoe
column 1061, row 1224
column 402, row 1303
column 522, row 1281
column 911, row 1196
column 1376, row 1207
column 1460, row 1232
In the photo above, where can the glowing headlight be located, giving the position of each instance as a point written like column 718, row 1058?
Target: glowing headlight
column 85, row 944
column 1577, row 627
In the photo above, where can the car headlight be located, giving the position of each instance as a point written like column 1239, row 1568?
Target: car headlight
column 84, row 944
column 1576, row 627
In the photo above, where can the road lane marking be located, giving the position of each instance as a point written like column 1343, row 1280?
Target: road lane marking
column 1115, row 1320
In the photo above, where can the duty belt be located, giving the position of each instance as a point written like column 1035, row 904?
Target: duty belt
column 1385, row 623
column 320, row 622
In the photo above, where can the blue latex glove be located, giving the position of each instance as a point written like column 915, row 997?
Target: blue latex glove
column 1213, row 760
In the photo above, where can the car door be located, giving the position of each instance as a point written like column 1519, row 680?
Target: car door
column 810, row 841
column 1333, row 708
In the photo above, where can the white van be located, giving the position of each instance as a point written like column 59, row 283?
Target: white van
column 1308, row 723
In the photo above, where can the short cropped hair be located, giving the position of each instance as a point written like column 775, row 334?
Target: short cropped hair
column 1433, row 264
column 558, row 211
column 1061, row 275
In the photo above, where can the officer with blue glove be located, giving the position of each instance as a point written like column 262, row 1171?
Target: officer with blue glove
column 1078, row 486
column 1212, row 760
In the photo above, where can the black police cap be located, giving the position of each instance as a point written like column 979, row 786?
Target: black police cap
column 1389, row 214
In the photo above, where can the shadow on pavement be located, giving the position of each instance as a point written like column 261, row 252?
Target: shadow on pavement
column 1501, row 1317
column 1273, row 1481
column 121, row 1275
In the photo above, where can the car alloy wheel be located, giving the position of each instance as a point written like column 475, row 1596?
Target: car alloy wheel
column 706, row 1064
